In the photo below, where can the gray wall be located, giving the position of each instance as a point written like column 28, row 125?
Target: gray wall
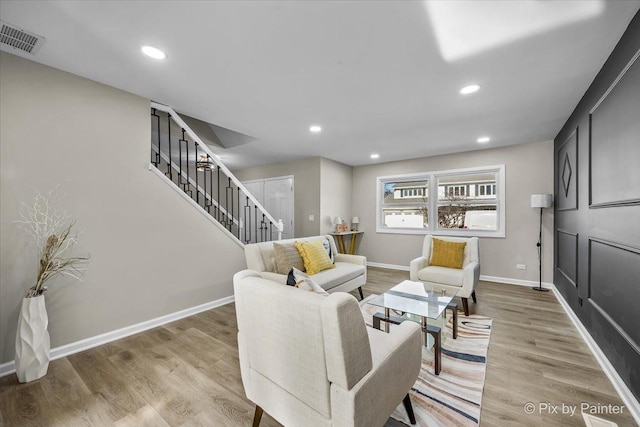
column 597, row 186
column 335, row 193
column 529, row 169
column 152, row 253
column 306, row 190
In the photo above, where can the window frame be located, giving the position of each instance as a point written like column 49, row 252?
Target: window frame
column 432, row 203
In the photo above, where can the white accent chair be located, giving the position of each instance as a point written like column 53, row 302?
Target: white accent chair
column 462, row 280
column 309, row 360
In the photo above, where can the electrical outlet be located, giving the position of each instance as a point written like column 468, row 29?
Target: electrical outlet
column 521, row 266
column 312, row 218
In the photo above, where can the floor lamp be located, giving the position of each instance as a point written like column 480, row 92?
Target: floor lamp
column 541, row 201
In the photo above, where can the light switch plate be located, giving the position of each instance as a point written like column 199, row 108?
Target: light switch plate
column 312, row 218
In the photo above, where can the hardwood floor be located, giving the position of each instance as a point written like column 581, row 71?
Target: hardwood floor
column 187, row 373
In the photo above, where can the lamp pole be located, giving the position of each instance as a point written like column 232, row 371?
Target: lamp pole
column 539, row 245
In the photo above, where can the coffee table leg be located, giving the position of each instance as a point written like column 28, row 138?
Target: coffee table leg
column 437, row 349
column 454, row 308
column 386, row 324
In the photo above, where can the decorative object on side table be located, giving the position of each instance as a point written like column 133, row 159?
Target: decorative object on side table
column 51, row 230
column 337, row 221
column 354, row 223
column 541, row 201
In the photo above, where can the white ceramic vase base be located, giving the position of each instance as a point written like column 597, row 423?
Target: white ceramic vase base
column 32, row 340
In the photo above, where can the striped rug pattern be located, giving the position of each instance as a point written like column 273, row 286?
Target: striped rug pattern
column 452, row 398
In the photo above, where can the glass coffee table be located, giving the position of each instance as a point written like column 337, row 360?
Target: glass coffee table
column 420, row 302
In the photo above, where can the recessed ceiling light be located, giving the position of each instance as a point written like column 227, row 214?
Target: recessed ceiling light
column 153, row 52
column 469, row 89
column 375, row 156
column 483, row 139
column 315, row 129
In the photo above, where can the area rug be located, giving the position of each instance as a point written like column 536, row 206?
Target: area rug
column 452, row 398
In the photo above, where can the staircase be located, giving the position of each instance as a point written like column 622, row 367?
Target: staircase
column 180, row 157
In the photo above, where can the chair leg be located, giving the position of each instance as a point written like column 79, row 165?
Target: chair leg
column 407, row 406
column 257, row 416
column 362, row 296
column 473, row 297
column 465, row 306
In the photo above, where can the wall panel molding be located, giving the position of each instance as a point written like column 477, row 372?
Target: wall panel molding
column 613, row 291
column 614, row 141
column 567, row 172
column 567, row 248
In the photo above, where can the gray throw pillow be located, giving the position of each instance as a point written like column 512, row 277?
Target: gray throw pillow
column 287, row 256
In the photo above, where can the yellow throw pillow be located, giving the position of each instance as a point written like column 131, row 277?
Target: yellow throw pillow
column 447, row 254
column 314, row 256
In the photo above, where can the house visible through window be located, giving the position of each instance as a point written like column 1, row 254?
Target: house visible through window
column 455, row 202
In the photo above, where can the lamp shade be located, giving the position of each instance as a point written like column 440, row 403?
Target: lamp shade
column 541, row 200
column 355, row 220
column 337, row 220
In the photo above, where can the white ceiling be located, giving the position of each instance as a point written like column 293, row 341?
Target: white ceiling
column 378, row 76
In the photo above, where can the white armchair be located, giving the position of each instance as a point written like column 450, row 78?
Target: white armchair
column 462, row 280
column 309, row 360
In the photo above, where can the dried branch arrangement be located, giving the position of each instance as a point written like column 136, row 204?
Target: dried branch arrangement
column 51, row 230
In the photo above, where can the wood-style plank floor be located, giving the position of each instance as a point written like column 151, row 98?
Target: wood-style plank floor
column 186, row 373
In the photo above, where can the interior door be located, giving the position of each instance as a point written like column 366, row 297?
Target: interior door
column 278, row 195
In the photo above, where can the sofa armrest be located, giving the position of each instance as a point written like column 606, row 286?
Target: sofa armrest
column 397, row 360
column 280, row 278
column 353, row 259
column 470, row 276
column 415, row 266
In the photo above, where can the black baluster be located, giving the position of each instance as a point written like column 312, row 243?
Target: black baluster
column 247, row 222
column 255, row 218
column 238, row 212
column 170, row 168
column 195, row 146
column 270, row 230
column 208, row 200
column 187, row 188
column 263, row 229
column 229, row 204
column 156, row 156
column 218, row 197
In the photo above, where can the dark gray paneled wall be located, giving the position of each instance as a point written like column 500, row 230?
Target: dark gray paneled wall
column 597, row 209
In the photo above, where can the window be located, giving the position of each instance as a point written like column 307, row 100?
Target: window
column 454, row 202
column 404, row 204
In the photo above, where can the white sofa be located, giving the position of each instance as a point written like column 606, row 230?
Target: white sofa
column 350, row 272
column 309, row 360
column 463, row 281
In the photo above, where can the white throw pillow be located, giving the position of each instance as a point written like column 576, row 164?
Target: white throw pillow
column 304, row 282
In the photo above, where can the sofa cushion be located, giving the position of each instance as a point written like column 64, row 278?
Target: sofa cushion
column 343, row 272
column 287, row 256
column 314, row 256
column 447, row 254
column 442, row 275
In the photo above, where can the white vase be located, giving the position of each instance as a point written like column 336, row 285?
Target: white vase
column 32, row 340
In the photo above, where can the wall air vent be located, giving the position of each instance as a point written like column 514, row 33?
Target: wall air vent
column 19, row 39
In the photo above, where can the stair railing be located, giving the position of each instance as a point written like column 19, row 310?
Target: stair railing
column 199, row 174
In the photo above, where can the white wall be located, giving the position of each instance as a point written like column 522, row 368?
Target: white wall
column 335, row 193
column 529, row 169
column 151, row 252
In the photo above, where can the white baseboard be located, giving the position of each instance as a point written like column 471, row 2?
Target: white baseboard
column 519, row 282
column 85, row 344
column 633, row 406
column 496, row 279
column 389, row 266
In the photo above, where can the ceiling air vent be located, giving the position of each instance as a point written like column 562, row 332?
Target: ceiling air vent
column 19, row 39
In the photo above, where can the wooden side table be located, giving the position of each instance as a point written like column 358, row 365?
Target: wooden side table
column 352, row 243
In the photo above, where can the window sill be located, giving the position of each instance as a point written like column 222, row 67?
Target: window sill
column 452, row 233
